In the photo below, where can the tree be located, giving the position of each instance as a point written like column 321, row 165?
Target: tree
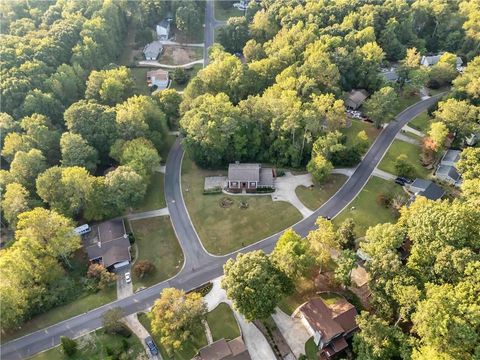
column 346, row 234
column 346, row 262
column 69, row 346
column 15, row 201
column 329, row 111
column 76, row 152
column 323, row 240
column 112, row 320
column 67, row 83
column 459, row 116
column 169, row 102
column 469, row 163
column 39, row 102
column 13, row 143
column 180, row 76
column 319, row 167
column 102, row 276
column 254, row 285
column 110, row 87
column 403, row 166
column 7, row 126
column 42, row 135
column 143, row 268
column 253, row 51
column 26, row 166
column 438, row 134
column 187, row 17
column 234, row 35
column 468, row 83
column 95, row 123
column 176, row 315
column 291, row 255
column 124, row 188
column 380, row 108
column 362, row 142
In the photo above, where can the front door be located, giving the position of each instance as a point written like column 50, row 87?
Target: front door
column 244, row 185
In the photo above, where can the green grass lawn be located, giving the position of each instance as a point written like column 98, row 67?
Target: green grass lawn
column 311, row 349
column 367, row 212
column 189, row 349
column 222, row 323
column 223, row 230
column 357, row 126
column 93, row 346
column 406, row 100
column 421, row 122
column 140, row 78
column 154, row 198
column 168, row 143
column 60, row 313
column 412, row 151
column 156, row 242
column 223, row 13
column 330, row 298
column 314, row 197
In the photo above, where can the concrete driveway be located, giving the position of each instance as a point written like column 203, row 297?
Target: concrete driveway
column 285, row 190
column 293, row 331
column 123, row 289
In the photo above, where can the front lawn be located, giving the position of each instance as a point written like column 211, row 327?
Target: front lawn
column 222, row 323
column 366, row 211
column 189, row 349
column 223, row 12
column 156, row 242
column 421, row 122
column 97, row 346
column 315, row 196
column 311, row 349
column 226, row 228
column 154, row 198
column 412, row 151
column 406, row 100
column 356, row 126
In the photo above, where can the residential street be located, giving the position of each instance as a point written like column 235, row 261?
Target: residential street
column 201, row 267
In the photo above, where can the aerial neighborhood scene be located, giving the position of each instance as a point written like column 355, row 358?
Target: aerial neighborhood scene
column 240, row 180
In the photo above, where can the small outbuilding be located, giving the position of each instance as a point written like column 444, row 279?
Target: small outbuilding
column 356, row 98
column 158, row 78
column 249, row 177
column 108, row 244
column 163, row 30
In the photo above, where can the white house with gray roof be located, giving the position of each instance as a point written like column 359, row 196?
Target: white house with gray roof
column 428, row 61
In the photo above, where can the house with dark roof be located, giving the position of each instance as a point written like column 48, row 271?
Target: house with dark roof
column 152, row 50
column 425, row 188
column 163, row 29
column 330, row 325
column 446, row 170
column 389, row 74
column 355, row 98
column 428, row 61
column 224, row 350
column 249, row 177
column 108, row 244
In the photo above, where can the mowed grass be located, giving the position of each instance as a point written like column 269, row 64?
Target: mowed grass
column 93, row 346
column 412, row 151
column 156, row 242
column 356, row 126
column 366, row 211
column 154, row 198
column 222, row 323
column 315, row 196
column 223, row 12
column 223, row 230
column 406, row 100
column 189, row 348
column 60, row 313
column 140, row 78
column 421, row 122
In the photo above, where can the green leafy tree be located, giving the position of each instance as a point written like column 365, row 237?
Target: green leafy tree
column 438, row 134
column 176, row 315
column 46, row 104
column 26, row 166
column 381, row 106
column 187, row 17
column 253, row 51
column 469, row 163
column 124, row 188
column 346, row 234
column 67, row 83
column 180, row 76
column 319, row 167
column 102, row 276
column 468, row 83
column 234, row 35
column 346, row 262
column 69, row 346
column 13, row 143
column 458, row 115
column 42, row 135
column 7, row 125
column 403, row 166
column 291, row 255
column 323, row 240
column 265, row 283
column 15, row 201
column 169, row 102
column 112, row 320
column 110, row 87
column 76, row 152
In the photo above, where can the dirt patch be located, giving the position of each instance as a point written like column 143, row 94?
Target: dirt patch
column 179, row 55
column 225, row 202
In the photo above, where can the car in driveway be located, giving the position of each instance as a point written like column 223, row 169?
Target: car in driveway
column 151, row 345
column 128, row 278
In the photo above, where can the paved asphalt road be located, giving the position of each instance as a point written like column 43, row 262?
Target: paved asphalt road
column 201, row 267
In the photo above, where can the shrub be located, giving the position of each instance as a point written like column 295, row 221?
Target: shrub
column 180, row 76
column 142, row 268
column 280, row 173
column 403, row 167
column 215, row 190
column 69, row 346
column 384, row 200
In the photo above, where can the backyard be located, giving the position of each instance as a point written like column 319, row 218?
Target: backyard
column 412, row 151
column 365, row 211
column 226, row 223
column 97, row 346
column 156, row 242
column 222, row 323
column 154, row 198
column 315, row 196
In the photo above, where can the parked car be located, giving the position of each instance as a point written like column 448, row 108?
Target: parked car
column 404, row 179
column 400, row 180
column 128, row 279
column 151, row 345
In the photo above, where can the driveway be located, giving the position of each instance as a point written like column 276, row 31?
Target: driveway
column 285, row 190
column 293, row 331
column 123, row 289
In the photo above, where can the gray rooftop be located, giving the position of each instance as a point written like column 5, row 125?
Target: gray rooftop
column 451, row 156
column 421, row 184
column 153, row 49
column 448, row 170
column 244, row 172
column 357, row 96
column 389, row 74
column 266, row 177
column 432, row 192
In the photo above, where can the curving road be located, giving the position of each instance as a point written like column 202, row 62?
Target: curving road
column 200, row 266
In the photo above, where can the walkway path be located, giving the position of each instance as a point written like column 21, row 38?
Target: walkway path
column 406, row 138
column 153, row 63
column 383, row 174
column 200, row 266
column 148, row 214
column 413, row 131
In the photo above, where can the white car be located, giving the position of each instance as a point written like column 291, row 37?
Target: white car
column 128, row 279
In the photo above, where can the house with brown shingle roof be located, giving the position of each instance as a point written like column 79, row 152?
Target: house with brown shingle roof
column 224, row 350
column 330, row 325
column 355, row 98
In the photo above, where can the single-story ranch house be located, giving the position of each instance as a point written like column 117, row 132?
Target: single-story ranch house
column 224, row 350
column 356, row 98
column 158, row 78
column 425, row 188
column 108, row 244
column 152, row 50
column 330, row 325
column 249, row 177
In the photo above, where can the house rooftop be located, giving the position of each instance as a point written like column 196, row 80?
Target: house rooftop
column 224, row 350
column 451, row 156
column 432, row 191
column 153, row 49
column 158, row 74
column 244, row 172
column 357, row 96
column 448, row 170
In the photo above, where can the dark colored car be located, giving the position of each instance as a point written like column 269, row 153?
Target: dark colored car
column 399, row 181
column 151, row 345
column 405, row 180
